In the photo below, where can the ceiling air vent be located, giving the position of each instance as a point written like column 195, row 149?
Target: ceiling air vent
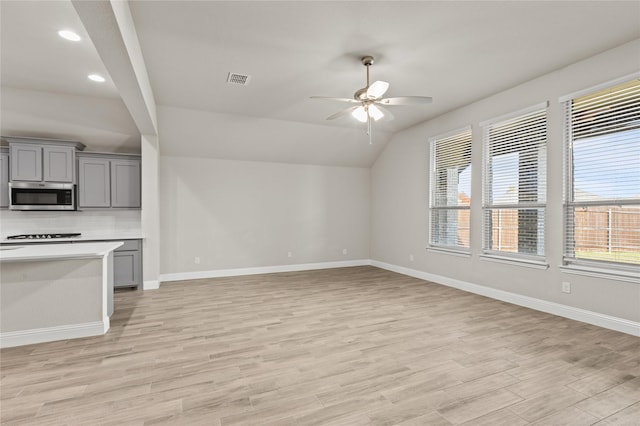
column 238, row 79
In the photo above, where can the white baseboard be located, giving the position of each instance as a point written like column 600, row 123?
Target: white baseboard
column 50, row 334
column 589, row 317
column 151, row 285
column 218, row 273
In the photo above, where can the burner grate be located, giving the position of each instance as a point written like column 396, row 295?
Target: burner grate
column 42, row 236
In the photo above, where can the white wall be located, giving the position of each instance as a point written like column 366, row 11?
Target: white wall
column 240, row 214
column 400, row 195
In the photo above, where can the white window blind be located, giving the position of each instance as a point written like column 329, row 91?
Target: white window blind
column 515, row 169
column 602, row 175
column 450, row 181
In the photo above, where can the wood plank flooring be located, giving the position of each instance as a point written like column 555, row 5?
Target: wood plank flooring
column 350, row 346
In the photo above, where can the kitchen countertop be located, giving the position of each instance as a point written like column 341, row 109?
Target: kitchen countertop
column 56, row 251
column 85, row 237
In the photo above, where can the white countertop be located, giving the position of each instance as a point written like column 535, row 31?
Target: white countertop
column 17, row 253
column 86, row 236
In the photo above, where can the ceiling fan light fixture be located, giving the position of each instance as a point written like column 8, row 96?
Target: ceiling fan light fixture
column 375, row 112
column 360, row 114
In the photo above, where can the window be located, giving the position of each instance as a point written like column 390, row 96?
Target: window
column 514, row 198
column 450, row 177
column 602, row 173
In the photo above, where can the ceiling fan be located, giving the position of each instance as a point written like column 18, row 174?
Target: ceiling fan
column 370, row 103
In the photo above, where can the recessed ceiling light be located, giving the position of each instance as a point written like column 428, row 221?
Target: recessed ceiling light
column 69, row 35
column 96, row 77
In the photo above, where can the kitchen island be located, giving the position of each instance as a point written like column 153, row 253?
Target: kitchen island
column 127, row 259
column 55, row 291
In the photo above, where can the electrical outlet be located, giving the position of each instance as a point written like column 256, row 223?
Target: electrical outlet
column 289, row 254
column 566, row 287
column 344, row 251
column 196, row 260
column 411, row 257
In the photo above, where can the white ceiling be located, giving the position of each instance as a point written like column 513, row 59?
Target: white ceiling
column 456, row 52
column 35, row 58
column 45, row 90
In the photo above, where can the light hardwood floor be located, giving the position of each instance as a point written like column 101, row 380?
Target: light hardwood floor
column 351, row 346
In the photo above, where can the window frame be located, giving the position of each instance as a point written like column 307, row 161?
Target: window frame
column 570, row 264
column 524, row 259
column 432, row 141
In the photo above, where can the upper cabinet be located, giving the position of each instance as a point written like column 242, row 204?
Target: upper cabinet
column 94, row 188
column 42, row 160
column 125, row 183
column 26, row 162
column 108, row 181
column 58, row 163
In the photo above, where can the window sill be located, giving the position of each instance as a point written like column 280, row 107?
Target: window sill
column 527, row 263
column 611, row 274
column 452, row 252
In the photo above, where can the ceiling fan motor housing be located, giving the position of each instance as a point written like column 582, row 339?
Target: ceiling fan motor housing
column 361, row 94
column 367, row 60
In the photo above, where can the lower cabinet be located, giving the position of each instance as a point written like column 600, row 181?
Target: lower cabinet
column 127, row 264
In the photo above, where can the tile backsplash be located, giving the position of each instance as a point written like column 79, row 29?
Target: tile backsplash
column 86, row 222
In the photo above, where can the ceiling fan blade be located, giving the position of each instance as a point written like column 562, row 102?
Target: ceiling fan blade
column 377, row 89
column 405, row 100
column 342, row 113
column 329, row 98
column 386, row 112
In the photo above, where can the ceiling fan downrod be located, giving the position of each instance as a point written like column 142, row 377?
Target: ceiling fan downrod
column 367, row 61
column 361, row 94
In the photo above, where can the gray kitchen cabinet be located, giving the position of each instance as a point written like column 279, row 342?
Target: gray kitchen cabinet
column 26, row 162
column 127, row 265
column 58, row 163
column 4, row 179
column 125, row 183
column 109, row 180
column 94, row 188
column 42, row 160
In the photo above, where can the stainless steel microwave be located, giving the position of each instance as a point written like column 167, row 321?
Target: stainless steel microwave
column 41, row 196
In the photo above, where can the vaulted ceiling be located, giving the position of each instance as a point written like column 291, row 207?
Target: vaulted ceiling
column 455, row 52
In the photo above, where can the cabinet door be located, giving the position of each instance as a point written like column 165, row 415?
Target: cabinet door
column 4, row 180
column 26, row 162
column 125, row 183
column 126, row 268
column 93, row 182
column 58, row 163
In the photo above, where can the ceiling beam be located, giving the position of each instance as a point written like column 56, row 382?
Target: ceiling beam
column 111, row 29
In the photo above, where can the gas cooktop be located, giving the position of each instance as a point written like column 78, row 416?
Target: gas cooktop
column 42, row 236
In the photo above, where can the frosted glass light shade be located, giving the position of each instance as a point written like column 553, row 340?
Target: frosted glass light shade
column 375, row 112
column 360, row 114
